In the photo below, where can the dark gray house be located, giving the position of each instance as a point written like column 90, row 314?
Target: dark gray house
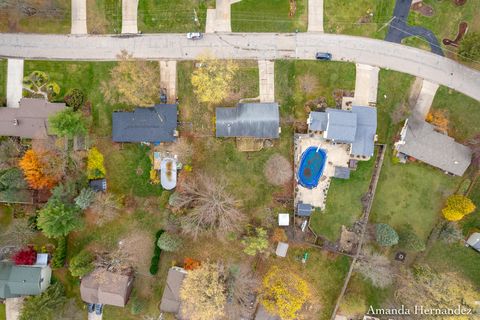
column 356, row 127
column 19, row 281
column 153, row 124
column 420, row 140
column 249, row 120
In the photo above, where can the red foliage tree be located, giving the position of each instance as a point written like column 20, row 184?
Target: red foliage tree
column 27, row 256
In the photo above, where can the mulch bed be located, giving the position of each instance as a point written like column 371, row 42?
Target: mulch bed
column 423, row 9
column 462, row 29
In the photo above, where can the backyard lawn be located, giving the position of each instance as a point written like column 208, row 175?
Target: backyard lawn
column 359, row 18
column 343, row 202
column 463, row 113
column 411, row 193
column 3, row 81
column 172, row 16
column 299, row 82
column 49, row 16
column 268, row 16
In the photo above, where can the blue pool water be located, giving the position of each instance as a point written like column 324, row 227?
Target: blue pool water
column 311, row 167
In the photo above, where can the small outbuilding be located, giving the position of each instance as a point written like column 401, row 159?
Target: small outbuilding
column 342, row 173
column 474, row 241
column 304, row 209
column 282, row 249
column 283, row 219
column 98, row 185
column 171, row 294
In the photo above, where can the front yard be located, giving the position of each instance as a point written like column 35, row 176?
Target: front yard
column 3, row 81
column 269, row 16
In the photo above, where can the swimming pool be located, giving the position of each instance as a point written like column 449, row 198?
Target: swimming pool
column 311, row 167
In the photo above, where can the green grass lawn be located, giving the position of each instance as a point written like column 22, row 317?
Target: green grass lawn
column 3, row 315
column 411, row 193
column 268, row 16
column 359, row 18
column 104, row 16
column 297, row 82
column 392, row 100
column 444, row 23
column 172, row 16
column 463, row 113
column 3, row 81
column 343, row 202
column 52, row 16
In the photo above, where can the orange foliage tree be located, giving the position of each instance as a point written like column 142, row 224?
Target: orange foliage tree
column 438, row 118
column 34, row 171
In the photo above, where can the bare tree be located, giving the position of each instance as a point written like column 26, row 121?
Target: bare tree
column 278, row 170
column 211, row 208
column 116, row 262
column 106, row 206
column 10, row 151
column 376, row 268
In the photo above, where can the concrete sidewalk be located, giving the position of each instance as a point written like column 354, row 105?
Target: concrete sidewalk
column 129, row 16
column 168, row 79
column 366, row 85
column 266, row 72
column 315, row 16
column 79, row 17
column 425, row 98
column 14, row 82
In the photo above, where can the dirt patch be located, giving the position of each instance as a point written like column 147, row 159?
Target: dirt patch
column 422, row 8
column 462, row 29
column 459, row 3
column 138, row 248
column 308, row 83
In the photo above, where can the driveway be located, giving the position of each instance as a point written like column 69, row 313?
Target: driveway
column 219, row 19
column 168, row 79
column 266, row 72
column 315, row 15
column 14, row 82
column 254, row 46
column 94, row 316
column 129, row 16
column 366, row 85
column 425, row 98
column 13, row 307
column 79, row 17
column 399, row 29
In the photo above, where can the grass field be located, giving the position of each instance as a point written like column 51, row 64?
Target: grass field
column 3, row 316
column 268, row 16
column 359, row 18
column 104, row 16
column 3, row 81
column 49, row 16
column 343, row 202
column 172, row 16
column 463, row 113
column 297, row 82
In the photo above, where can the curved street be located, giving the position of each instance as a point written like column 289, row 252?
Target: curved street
column 256, row 46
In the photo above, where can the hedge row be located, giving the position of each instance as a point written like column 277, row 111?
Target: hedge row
column 156, row 254
column 58, row 260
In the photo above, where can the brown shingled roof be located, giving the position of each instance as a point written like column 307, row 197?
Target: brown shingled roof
column 101, row 286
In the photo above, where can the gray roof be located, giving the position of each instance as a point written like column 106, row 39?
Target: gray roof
column 30, row 120
column 366, row 130
column 422, row 142
column 342, row 173
column 282, row 248
column 474, row 241
column 341, row 126
column 254, row 120
column 17, row 281
column 317, row 121
column 304, row 210
column 98, row 185
column 152, row 124
column 171, row 293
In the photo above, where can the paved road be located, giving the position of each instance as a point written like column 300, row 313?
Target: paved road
column 399, row 29
column 256, row 46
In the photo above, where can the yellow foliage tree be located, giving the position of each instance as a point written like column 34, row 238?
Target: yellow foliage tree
column 133, row 82
column 457, row 206
column 95, row 166
column 284, row 293
column 213, row 79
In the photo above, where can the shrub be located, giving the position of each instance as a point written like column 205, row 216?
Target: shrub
column 169, row 242
column 450, row 233
column 74, row 98
column 58, row 260
column 67, row 123
column 95, row 166
column 409, row 239
column 386, row 236
column 81, row 264
column 26, row 256
column 85, row 198
column 156, row 254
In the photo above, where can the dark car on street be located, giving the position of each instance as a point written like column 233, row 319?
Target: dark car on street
column 325, row 56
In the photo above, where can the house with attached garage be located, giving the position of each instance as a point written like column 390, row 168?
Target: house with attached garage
column 157, row 124
column 422, row 141
column 23, row 280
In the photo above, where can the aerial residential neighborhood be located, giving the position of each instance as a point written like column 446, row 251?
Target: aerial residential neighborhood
column 239, row 159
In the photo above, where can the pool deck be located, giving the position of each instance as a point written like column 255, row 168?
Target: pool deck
column 337, row 156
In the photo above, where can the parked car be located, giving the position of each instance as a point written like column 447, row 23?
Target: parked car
column 90, row 307
column 194, row 35
column 98, row 309
column 325, row 56
column 163, row 95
